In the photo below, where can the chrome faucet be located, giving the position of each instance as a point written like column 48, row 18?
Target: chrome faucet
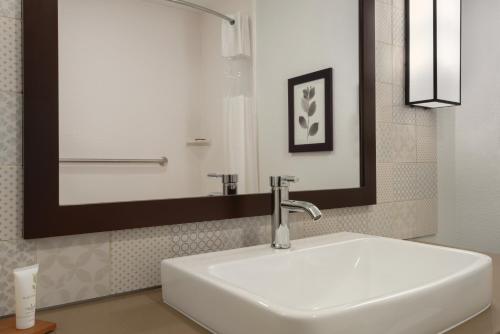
column 282, row 206
column 229, row 183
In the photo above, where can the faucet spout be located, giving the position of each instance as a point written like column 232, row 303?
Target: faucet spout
column 282, row 206
column 301, row 206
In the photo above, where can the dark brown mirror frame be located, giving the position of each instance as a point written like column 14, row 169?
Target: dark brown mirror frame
column 44, row 217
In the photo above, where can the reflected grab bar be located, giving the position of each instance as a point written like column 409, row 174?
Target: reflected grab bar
column 162, row 161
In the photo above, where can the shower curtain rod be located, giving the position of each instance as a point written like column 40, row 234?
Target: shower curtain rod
column 204, row 9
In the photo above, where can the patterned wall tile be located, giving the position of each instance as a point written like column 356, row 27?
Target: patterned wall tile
column 403, row 115
column 383, row 62
column 329, row 223
column 426, row 180
column 13, row 254
column 398, row 66
column 388, row 2
column 385, row 141
column 297, row 221
column 398, row 96
column 426, row 117
column 383, row 22
column 135, row 258
column 10, row 129
column 356, row 220
column 183, row 240
column 383, row 221
column 219, row 235
column 73, row 268
column 10, row 202
column 405, row 215
column 398, row 26
column 404, row 181
column 384, row 102
column 251, row 231
column 427, row 217
column 385, row 175
column 10, row 55
column 203, row 237
column 398, row 3
column 405, row 143
column 395, row 220
column 426, row 144
column 11, row 8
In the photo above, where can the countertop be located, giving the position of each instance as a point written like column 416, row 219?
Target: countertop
column 145, row 313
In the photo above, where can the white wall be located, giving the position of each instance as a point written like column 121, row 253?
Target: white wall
column 143, row 106
column 296, row 37
column 469, row 139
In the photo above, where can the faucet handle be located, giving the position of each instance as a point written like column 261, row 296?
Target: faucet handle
column 288, row 178
column 282, row 181
column 226, row 178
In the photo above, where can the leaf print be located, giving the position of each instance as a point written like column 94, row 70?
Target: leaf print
column 306, row 93
column 303, row 122
column 312, row 92
column 314, row 129
column 305, row 105
column 312, row 109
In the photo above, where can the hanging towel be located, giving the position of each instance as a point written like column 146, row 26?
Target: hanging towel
column 240, row 138
column 236, row 39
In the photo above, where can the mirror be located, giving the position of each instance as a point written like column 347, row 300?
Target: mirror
column 144, row 80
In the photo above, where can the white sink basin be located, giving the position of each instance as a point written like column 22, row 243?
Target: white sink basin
column 339, row 283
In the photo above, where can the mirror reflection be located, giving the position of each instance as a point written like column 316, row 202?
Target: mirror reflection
column 175, row 100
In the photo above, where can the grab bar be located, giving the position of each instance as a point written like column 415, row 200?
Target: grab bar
column 162, row 161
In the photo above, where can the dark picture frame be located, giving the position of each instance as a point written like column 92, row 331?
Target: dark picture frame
column 44, row 217
column 303, row 116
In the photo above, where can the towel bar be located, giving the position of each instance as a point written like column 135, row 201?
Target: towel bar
column 162, row 161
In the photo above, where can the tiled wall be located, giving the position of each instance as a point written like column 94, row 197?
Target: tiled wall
column 87, row 266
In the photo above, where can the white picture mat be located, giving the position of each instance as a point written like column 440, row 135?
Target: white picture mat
column 301, row 134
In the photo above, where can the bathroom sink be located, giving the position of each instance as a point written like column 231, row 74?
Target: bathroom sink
column 338, row 283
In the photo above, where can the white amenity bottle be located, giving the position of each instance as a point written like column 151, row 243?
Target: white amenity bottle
column 25, row 291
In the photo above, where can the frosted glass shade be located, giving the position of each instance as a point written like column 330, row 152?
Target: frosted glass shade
column 433, row 58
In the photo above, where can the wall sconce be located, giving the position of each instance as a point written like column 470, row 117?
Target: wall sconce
column 433, row 53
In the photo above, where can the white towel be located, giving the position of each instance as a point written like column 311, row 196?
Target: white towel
column 240, row 138
column 236, row 39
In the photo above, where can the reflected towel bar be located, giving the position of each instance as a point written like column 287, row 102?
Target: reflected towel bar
column 203, row 9
column 162, row 161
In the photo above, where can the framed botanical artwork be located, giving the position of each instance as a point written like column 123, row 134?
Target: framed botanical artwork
column 310, row 112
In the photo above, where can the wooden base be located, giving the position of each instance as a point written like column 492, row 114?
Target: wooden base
column 8, row 326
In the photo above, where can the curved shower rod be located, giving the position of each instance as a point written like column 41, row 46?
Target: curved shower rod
column 204, row 9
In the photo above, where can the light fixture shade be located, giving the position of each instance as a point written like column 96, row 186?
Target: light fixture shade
column 433, row 53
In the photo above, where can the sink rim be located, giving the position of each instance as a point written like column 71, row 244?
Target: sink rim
column 200, row 266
